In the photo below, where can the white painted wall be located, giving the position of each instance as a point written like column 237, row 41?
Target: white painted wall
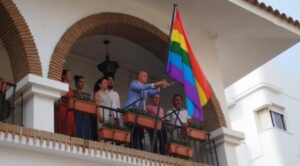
column 266, row 87
column 13, row 154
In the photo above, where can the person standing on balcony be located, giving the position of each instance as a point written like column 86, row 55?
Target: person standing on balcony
column 115, row 99
column 101, row 97
column 64, row 119
column 154, row 109
column 180, row 111
column 2, row 85
column 140, row 89
column 2, row 98
column 82, row 121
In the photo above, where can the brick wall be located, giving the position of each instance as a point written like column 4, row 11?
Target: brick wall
column 18, row 41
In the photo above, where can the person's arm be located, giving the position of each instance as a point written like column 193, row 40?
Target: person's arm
column 184, row 117
column 96, row 97
column 161, row 112
column 160, row 84
column 135, row 85
column 96, row 100
column 153, row 92
column 2, row 86
column 167, row 118
column 118, row 100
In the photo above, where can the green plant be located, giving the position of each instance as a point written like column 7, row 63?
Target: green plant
column 81, row 95
column 196, row 125
column 114, row 126
column 109, row 125
column 127, row 128
column 132, row 109
column 136, row 110
column 181, row 141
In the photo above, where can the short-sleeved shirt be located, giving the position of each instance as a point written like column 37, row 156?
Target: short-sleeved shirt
column 183, row 116
column 81, row 95
column 153, row 109
column 115, row 98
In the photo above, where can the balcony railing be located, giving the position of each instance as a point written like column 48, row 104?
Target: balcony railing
column 203, row 150
column 119, row 127
column 9, row 111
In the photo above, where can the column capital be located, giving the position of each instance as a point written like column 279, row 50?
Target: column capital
column 36, row 85
column 38, row 94
column 226, row 135
column 226, row 141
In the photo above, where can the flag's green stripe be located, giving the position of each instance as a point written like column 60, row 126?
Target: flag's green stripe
column 175, row 48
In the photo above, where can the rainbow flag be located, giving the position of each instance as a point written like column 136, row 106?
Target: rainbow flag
column 183, row 66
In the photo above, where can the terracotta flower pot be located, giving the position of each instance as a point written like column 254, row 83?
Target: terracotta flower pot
column 114, row 135
column 193, row 133
column 82, row 106
column 185, row 151
column 143, row 120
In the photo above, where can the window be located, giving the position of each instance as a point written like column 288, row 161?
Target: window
column 277, row 120
column 270, row 116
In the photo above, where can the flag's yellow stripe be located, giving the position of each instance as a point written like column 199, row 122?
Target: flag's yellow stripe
column 201, row 94
column 179, row 38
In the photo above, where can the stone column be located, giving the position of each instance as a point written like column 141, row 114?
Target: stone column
column 39, row 95
column 226, row 140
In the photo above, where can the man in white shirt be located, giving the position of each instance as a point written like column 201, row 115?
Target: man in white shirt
column 181, row 112
column 115, row 99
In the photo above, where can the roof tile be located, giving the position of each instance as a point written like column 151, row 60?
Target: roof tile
column 275, row 12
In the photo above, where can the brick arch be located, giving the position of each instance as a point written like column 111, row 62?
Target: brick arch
column 129, row 27
column 18, row 41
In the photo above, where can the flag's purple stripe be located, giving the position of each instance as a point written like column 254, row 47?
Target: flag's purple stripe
column 176, row 60
column 198, row 114
column 175, row 73
column 194, row 112
column 189, row 90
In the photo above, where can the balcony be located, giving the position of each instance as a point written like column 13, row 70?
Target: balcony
column 13, row 133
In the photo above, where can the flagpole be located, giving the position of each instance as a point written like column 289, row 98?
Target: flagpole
column 170, row 32
column 158, row 108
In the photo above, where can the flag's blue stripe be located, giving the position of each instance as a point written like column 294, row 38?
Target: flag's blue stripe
column 176, row 60
column 189, row 106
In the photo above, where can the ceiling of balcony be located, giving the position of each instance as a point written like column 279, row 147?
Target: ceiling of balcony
column 246, row 37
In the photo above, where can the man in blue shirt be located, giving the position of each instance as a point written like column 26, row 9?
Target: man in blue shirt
column 140, row 89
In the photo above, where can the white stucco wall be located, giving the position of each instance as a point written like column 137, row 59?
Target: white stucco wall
column 266, row 87
column 15, row 154
column 16, row 157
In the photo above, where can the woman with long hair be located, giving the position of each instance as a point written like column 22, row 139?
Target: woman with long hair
column 101, row 97
column 83, row 121
column 64, row 119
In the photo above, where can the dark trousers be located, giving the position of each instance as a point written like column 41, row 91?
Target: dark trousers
column 5, row 107
column 161, row 138
column 94, row 127
column 2, row 105
column 83, row 125
column 137, row 137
